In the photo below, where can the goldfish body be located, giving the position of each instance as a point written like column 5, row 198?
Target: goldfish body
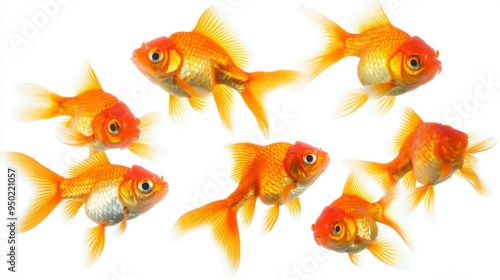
column 428, row 153
column 208, row 59
column 97, row 119
column 391, row 61
column 112, row 194
column 277, row 174
column 349, row 224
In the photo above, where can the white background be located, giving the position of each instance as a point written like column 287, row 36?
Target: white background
column 462, row 243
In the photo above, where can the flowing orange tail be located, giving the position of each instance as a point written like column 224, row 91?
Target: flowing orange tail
column 47, row 183
column 40, row 103
column 222, row 219
column 260, row 83
column 377, row 171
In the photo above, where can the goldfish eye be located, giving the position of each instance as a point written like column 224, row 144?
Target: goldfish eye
column 336, row 228
column 145, row 186
column 414, row 62
column 114, row 127
column 155, row 55
column 310, row 158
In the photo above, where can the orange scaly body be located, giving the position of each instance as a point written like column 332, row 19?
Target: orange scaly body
column 277, row 174
column 349, row 224
column 112, row 194
column 207, row 60
column 428, row 153
column 391, row 61
column 97, row 119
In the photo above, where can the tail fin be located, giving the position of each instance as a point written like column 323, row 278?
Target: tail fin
column 47, row 183
column 222, row 219
column 378, row 171
column 260, row 83
column 143, row 147
column 39, row 102
column 387, row 202
column 335, row 49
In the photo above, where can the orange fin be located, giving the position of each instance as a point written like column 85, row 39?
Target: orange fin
column 425, row 193
column 476, row 147
column 374, row 17
column 47, row 187
column 385, row 104
column 260, row 83
column 378, row 91
column 96, row 159
column 243, row 155
column 388, row 253
column 95, row 242
column 211, row 25
column 197, row 103
column 271, row 217
column 355, row 259
column 388, row 214
column 468, row 172
column 39, row 103
column 123, row 224
column 174, row 61
column 377, row 171
column 223, row 96
column 335, row 44
column 409, row 180
column 355, row 186
column 176, row 107
column 294, row 207
column 351, row 103
column 187, row 87
column 223, row 222
column 248, row 210
column 73, row 138
column 88, row 81
column 143, row 147
column 410, row 122
column 71, row 207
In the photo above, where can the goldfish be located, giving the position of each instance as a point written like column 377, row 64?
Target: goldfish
column 349, row 224
column 97, row 119
column 428, row 153
column 112, row 194
column 277, row 174
column 207, row 60
column 391, row 61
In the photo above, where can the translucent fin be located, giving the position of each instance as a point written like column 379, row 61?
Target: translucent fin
column 47, row 184
column 388, row 217
column 223, row 223
column 335, row 44
column 410, row 122
column 385, row 104
column 38, row 103
column 409, row 180
column 479, row 146
column 351, row 103
column 224, row 100
column 211, row 25
column 374, row 17
column 271, row 217
column 418, row 194
column 260, row 83
column 96, row 159
column 294, row 207
column 144, row 146
column 378, row 91
column 355, row 185
column 71, row 207
column 199, row 104
column 377, row 171
column 123, row 224
column 467, row 171
column 73, row 138
column 386, row 252
column 88, row 81
column 247, row 211
column 355, row 259
column 176, row 107
column 187, row 87
column 95, row 243
column 243, row 155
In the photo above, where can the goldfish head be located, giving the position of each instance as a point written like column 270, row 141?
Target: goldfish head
column 305, row 163
column 157, row 59
column 334, row 229
column 141, row 189
column 452, row 145
column 414, row 64
column 116, row 127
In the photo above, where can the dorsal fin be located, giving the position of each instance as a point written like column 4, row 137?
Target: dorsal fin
column 410, row 122
column 211, row 25
column 243, row 154
column 355, row 185
column 88, row 80
column 96, row 158
column 373, row 17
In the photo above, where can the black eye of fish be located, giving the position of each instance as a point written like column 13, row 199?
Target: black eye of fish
column 310, row 158
column 336, row 229
column 114, row 127
column 145, row 186
column 414, row 62
column 155, row 55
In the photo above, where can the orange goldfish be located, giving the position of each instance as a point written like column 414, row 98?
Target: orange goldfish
column 97, row 119
column 391, row 61
column 277, row 174
column 208, row 59
column 428, row 153
column 112, row 194
column 349, row 224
